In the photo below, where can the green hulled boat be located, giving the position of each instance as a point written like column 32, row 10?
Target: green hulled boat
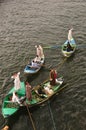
column 44, row 92
column 40, row 94
column 9, row 107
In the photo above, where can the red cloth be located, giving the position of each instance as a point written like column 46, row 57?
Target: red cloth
column 28, row 91
column 53, row 76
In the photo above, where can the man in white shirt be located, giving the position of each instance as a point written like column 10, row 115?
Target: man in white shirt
column 70, row 34
column 16, row 81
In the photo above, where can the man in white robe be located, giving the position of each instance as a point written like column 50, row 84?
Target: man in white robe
column 16, row 81
column 70, row 34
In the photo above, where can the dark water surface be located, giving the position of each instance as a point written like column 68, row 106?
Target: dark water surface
column 26, row 23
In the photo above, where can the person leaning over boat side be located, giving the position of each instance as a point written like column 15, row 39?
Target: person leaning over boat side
column 16, row 81
column 28, row 91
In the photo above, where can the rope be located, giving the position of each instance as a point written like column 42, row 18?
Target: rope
column 58, row 67
column 60, row 64
column 34, row 128
column 52, row 116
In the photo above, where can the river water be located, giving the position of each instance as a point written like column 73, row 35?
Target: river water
column 26, row 23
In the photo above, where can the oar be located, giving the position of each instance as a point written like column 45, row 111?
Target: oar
column 34, row 128
column 52, row 47
column 51, row 114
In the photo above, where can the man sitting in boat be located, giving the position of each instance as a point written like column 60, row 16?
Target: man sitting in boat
column 40, row 91
column 15, row 98
column 69, row 47
column 48, row 90
column 44, row 91
column 37, row 59
column 34, row 65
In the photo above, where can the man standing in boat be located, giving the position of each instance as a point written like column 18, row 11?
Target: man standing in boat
column 69, row 47
column 16, row 81
column 70, row 34
column 28, row 91
column 39, row 51
column 53, row 77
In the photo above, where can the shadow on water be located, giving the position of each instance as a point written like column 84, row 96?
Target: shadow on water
column 71, row 58
column 30, row 78
column 22, row 117
column 1, row 1
column 3, row 122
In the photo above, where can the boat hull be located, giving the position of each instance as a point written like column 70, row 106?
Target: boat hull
column 9, row 107
column 64, row 46
column 29, row 70
column 38, row 99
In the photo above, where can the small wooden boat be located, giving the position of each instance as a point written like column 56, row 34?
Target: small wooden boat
column 40, row 94
column 9, row 107
column 32, row 70
column 67, row 52
column 44, row 92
